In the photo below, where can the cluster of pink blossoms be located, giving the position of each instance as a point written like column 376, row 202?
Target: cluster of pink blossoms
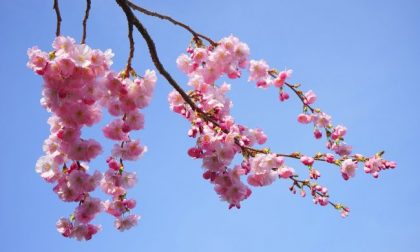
column 264, row 77
column 125, row 98
column 219, row 138
column 78, row 83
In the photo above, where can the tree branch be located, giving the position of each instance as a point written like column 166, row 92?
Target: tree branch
column 170, row 19
column 84, row 23
column 57, row 13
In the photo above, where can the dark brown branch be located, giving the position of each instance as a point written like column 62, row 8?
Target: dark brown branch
column 170, row 19
column 131, row 18
column 57, row 13
column 84, row 23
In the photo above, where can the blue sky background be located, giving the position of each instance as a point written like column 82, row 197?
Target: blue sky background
column 361, row 57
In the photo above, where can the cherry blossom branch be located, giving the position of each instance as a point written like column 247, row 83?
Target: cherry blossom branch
column 131, row 18
column 319, row 193
column 58, row 15
column 170, row 19
column 84, row 23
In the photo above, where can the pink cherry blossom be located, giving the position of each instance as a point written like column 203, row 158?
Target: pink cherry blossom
column 114, row 130
column 286, row 172
column 310, row 97
column 304, row 118
column 88, row 210
column 258, row 70
column 339, row 132
column 125, row 223
column 47, row 168
column 281, row 78
column 348, row 168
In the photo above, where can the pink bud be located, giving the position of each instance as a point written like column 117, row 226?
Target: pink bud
column 307, row 160
column 194, row 152
column 317, row 134
column 283, row 96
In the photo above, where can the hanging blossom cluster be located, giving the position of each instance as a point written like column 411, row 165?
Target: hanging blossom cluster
column 219, row 138
column 78, row 84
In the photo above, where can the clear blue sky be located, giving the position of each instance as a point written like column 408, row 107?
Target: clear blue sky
column 361, row 57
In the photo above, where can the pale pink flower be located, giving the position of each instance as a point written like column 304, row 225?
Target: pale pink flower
column 93, row 181
column 304, row 118
column 77, row 181
column 261, row 179
column 310, row 97
column 258, row 70
column 345, row 212
column 341, row 149
column 66, row 193
column 64, row 227
column 373, row 165
column 132, row 150
column 119, row 207
column 82, row 150
column 114, row 107
column 84, row 231
column 114, row 130
column 63, row 45
column 281, row 78
column 127, row 222
column 183, row 63
column 134, row 121
column 314, row 174
column 47, row 168
column 348, row 168
column 128, row 179
column 38, row 60
column 321, row 119
column 87, row 211
column 66, row 66
column 81, row 54
column 69, row 134
column 286, row 172
column 339, row 132
column 259, row 135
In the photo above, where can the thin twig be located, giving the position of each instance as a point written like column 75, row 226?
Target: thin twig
column 173, row 21
column 84, row 23
column 131, row 53
column 57, row 13
column 131, row 18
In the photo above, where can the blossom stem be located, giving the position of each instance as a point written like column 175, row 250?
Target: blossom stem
column 84, row 23
column 58, row 15
column 306, row 183
column 131, row 53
